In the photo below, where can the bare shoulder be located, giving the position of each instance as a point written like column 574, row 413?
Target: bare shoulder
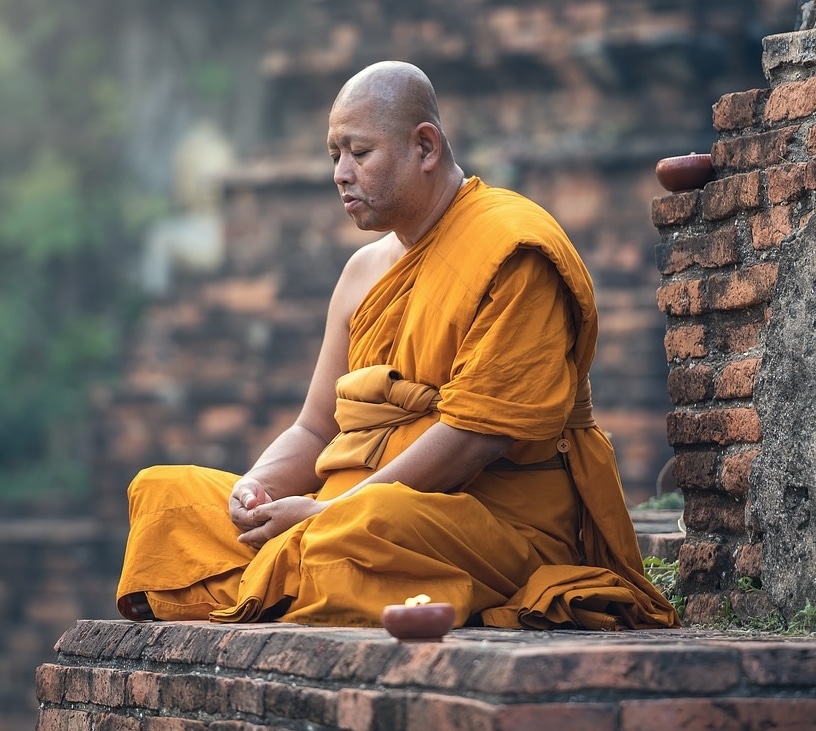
column 364, row 268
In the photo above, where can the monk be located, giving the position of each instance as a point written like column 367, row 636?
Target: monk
column 446, row 445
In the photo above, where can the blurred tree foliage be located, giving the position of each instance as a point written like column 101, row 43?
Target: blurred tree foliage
column 63, row 236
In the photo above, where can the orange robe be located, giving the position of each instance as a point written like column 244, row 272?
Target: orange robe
column 489, row 325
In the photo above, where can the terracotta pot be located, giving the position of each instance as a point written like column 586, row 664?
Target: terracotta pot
column 423, row 622
column 686, row 172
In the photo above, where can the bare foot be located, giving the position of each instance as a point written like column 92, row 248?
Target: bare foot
column 135, row 607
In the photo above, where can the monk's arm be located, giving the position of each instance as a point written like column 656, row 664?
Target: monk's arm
column 441, row 459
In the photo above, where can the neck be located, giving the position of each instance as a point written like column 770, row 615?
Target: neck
column 442, row 197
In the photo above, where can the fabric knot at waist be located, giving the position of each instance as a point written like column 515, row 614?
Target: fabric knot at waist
column 371, row 403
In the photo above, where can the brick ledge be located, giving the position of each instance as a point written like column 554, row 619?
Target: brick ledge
column 191, row 676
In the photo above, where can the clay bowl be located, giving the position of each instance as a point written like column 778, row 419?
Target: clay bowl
column 686, row 172
column 423, row 622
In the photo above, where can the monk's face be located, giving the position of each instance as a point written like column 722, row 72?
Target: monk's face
column 376, row 167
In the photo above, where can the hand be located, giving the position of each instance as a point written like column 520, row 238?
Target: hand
column 247, row 494
column 274, row 517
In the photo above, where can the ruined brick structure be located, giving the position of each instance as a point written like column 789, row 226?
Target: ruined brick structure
column 721, row 251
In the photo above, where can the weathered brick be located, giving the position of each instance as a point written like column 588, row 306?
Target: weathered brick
column 165, row 723
column 369, row 710
column 737, row 378
column 751, row 152
column 685, row 341
column 108, row 687
column 780, row 664
column 742, row 288
column 59, row 719
column 689, row 384
column 749, row 560
column 299, row 701
column 731, row 714
column 715, row 513
column 676, row 209
column 731, row 339
column 770, row 227
column 246, row 695
column 811, row 139
column 685, row 297
column 143, row 690
column 77, row 683
column 810, row 174
column 785, row 182
column 702, row 562
column 189, row 693
column 717, row 248
column 703, row 607
column 794, row 100
column 565, row 716
column 695, row 469
column 714, row 426
column 447, row 713
column 50, row 683
column 751, row 604
column 736, row 471
column 738, row 110
column 724, row 198
column 115, row 722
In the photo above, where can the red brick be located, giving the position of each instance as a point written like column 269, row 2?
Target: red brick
column 738, row 110
column 164, row 723
column 717, row 248
column 736, row 380
column 724, row 198
column 749, row 605
column 752, row 152
column 714, row 426
column 702, row 562
column 780, row 664
column 686, row 341
column 685, row 297
column 57, row 719
column 785, row 182
column 564, row 716
column 113, row 722
column 703, row 607
column 143, row 690
column 736, row 471
column 737, row 339
column 749, row 560
column 695, row 469
column 77, row 684
column 811, row 140
column 299, row 701
column 356, row 708
column 810, row 173
column 189, row 693
column 714, row 513
column 770, row 227
column 108, row 687
column 673, row 210
column 246, row 695
column 50, row 683
column 448, row 713
column 791, row 101
column 731, row 714
column 743, row 288
column 689, row 384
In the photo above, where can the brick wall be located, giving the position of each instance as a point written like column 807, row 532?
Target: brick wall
column 719, row 254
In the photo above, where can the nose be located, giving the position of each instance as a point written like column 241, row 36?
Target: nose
column 342, row 170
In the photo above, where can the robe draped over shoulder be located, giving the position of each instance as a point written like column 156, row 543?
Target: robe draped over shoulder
column 487, row 324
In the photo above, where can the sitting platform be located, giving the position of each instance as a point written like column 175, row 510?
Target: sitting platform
column 191, row 676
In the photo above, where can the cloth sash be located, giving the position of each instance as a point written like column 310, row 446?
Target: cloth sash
column 372, row 402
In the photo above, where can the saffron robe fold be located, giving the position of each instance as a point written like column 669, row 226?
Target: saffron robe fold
column 491, row 321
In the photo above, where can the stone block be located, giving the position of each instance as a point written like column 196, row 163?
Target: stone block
column 788, row 56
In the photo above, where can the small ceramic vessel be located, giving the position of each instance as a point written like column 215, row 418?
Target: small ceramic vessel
column 420, row 623
column 684, row 172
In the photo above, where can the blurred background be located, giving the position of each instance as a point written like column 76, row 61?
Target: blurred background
column 169, row 231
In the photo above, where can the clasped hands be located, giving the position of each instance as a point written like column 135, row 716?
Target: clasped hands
column 260, row 518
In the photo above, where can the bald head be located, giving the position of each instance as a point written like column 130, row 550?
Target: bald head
column 399, row 95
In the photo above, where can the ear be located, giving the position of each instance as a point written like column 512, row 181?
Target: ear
column 429, row 140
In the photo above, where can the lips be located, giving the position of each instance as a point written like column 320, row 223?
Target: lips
column 350, row 202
